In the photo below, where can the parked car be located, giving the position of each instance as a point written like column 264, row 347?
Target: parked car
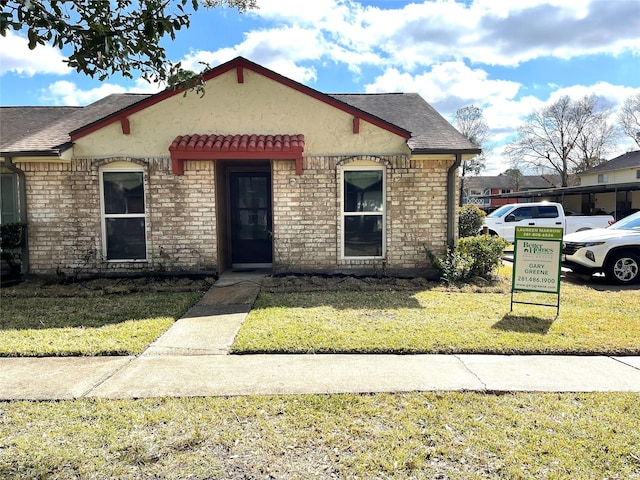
column 614, row 250
column 503, row 221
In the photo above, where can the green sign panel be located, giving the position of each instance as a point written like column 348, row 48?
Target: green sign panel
column 537, row 259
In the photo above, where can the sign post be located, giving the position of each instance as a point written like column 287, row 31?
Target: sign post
column 537, row 259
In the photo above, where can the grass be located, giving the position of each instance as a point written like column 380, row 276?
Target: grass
column 450, row 435
column 444, row 320
column 417, row 435
column 59, row 320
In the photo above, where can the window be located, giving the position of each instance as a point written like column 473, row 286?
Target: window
column 363, row 212
column 602, row 178
column 548, row 211
column 638, row 174
column 522, row 213
column 123, row 218
column 9, row 212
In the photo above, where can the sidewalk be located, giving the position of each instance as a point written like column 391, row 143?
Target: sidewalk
column 191, row 359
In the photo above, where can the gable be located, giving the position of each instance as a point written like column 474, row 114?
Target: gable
column 253, row 104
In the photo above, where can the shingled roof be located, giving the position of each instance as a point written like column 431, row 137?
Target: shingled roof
column 45, row 130
column 21, row 123
column 406, row 114
column 430, row 132
column 627, row 160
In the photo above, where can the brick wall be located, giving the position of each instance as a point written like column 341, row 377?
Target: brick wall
column 307, row 223
column 63, row 206
column 63, row 214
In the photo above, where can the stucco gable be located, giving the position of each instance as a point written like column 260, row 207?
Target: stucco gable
column 239, row 66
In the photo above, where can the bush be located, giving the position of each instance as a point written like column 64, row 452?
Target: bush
column 454, row 267
column 470, row 220
column 12, row 238
column 485, row 251
column 473, row 257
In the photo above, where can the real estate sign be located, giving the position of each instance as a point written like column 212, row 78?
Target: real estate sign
column 537, row 259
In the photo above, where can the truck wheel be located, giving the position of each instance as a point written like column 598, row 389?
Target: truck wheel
column 623, row 268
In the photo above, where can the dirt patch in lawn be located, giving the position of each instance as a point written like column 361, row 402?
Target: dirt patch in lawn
column 48, row 287
column 330, row 283
column 42, row 287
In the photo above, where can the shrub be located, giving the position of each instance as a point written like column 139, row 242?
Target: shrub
column 485, row 252
column 455, row 267
column 12, row 238
column 473, row 257
column 470, row 220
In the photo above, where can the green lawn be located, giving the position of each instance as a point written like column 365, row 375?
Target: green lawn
column 447, row 435
column 444, row 320
column 60, row 320
column 418, row 435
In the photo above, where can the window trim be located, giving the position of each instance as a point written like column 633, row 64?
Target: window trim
column 124, row 168
column 383, row 213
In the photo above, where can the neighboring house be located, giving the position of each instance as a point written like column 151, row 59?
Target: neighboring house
column 482, row 190
column 612, row 187
column 261, row 171
column 621, row 171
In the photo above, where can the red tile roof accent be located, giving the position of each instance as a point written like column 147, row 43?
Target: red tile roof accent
column 211, row 147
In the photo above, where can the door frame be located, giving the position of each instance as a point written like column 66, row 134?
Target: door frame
column 224, row 169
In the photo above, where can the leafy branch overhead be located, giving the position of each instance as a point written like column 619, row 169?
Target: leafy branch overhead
column 108, row 37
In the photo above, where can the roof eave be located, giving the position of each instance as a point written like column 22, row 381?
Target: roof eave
column 440, row 151
column 49, row 152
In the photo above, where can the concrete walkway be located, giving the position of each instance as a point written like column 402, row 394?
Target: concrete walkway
column 191, row 359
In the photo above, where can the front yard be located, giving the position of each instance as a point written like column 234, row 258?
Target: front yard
column 445, row 435
column 326, row 315
column 99, row 317
column 440, row 319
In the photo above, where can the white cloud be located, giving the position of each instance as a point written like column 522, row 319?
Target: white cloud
column 278, row 49
column 448, row 86
column 485, row 31
column 16, row 57
column 442, row 49
column 68, row 93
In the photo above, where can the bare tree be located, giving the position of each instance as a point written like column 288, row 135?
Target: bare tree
column 471, row 123
column 595, row 142
column 565, row 137
column 515, row 176
column 629, row 117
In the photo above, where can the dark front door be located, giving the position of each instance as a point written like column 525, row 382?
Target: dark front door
column 250, row 216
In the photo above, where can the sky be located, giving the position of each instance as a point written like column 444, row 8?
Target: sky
column 507, row 57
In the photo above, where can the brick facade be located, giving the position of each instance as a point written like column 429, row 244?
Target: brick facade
column 65, row 230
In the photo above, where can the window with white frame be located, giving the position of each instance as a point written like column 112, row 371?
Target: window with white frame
column 363, row 212
column 123, row 213
column 638, row 174
column 603, row 178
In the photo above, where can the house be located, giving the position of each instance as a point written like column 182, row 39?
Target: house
column 260, row 172
column 484, row 190
column 623, row 174
column 613, row 187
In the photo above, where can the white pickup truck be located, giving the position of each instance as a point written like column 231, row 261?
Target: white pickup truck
column 504, row 220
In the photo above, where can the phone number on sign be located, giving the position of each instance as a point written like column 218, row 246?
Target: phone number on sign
column 545, row 280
